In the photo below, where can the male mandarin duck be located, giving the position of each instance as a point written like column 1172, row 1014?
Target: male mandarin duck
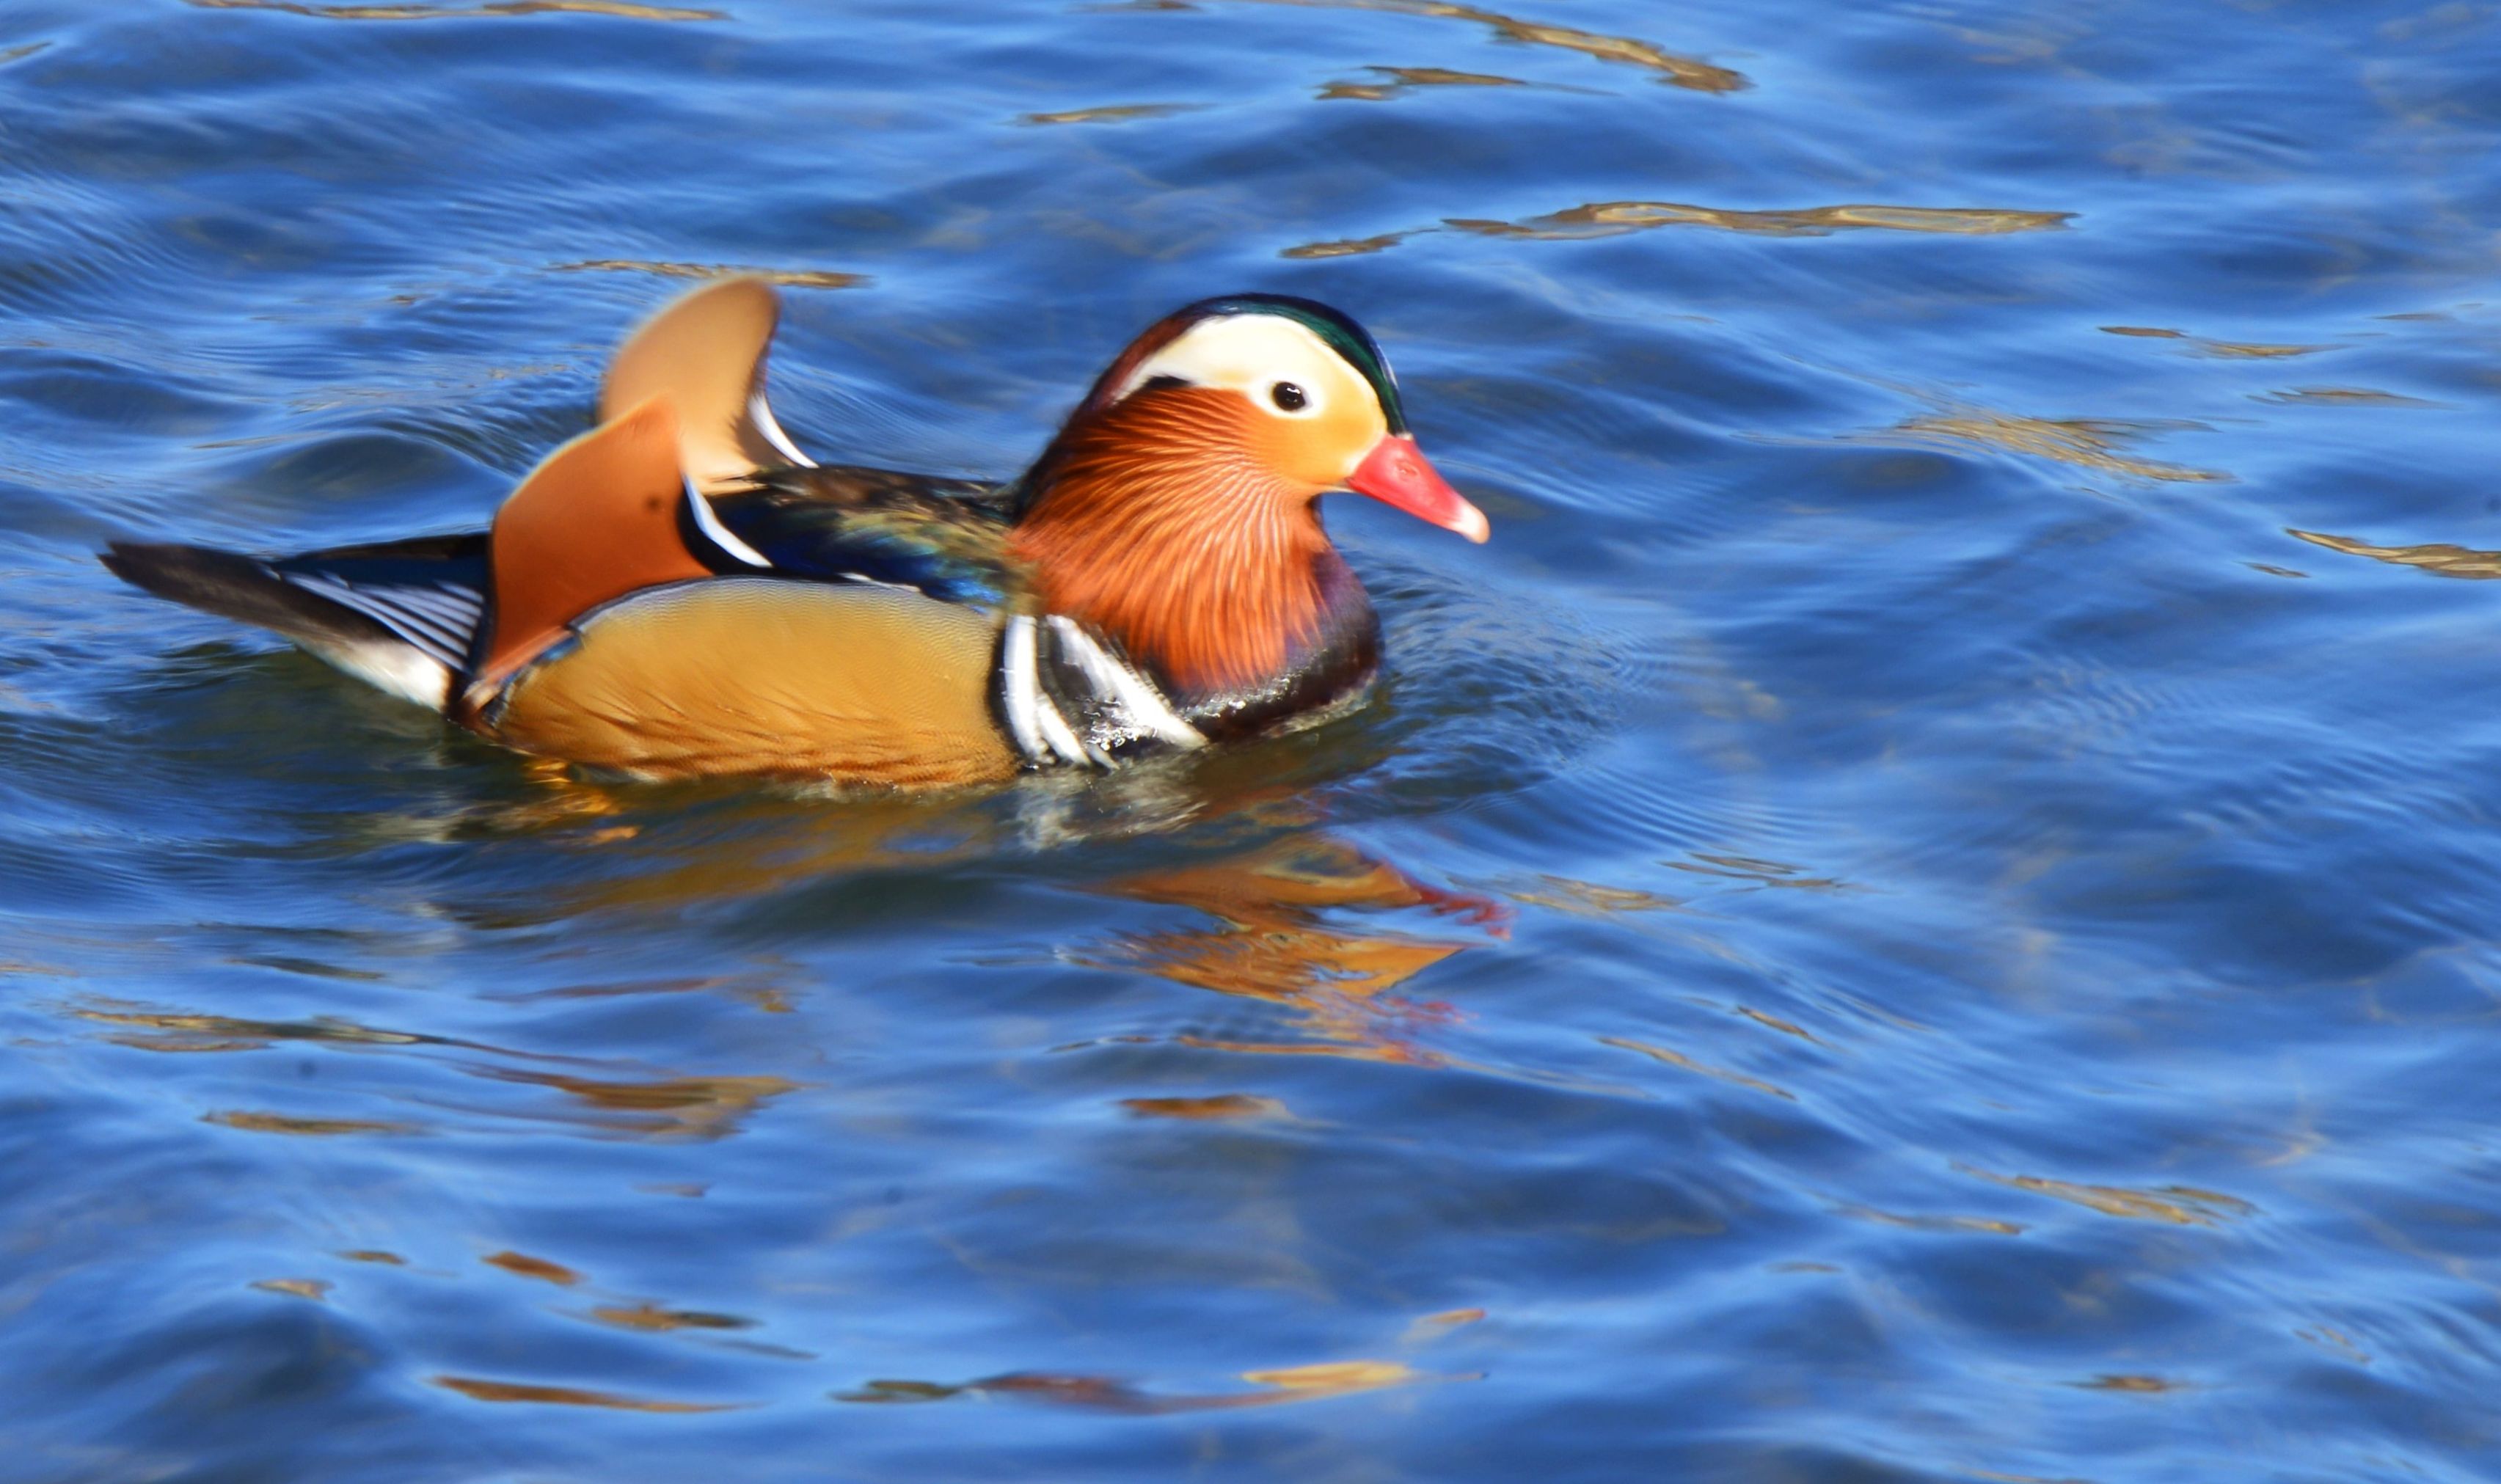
column 682, row 592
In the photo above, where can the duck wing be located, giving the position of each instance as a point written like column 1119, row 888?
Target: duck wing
column 759, row 505
column 945, row 538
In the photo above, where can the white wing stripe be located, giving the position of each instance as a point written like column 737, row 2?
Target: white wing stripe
column 437, row 620
column 431, row 635
column 1017, row 687
column 1130, row 689
column 707, row 521
column 1054, row 731
column 760, row 413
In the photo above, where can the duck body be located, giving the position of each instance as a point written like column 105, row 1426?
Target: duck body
column 682, row 593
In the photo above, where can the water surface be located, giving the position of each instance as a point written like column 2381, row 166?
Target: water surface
column 1925, row 911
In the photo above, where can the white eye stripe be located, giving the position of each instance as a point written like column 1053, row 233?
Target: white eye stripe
column 1252, row 354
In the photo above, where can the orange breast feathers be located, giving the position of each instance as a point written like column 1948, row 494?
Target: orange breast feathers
column 1172, row 525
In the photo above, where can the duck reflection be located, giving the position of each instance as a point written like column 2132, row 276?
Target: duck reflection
column 687, row 845
column 1279, row 934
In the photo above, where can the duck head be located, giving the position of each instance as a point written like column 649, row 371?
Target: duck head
column 1176, row 510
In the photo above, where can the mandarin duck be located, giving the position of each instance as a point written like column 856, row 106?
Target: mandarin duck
column 682, row 592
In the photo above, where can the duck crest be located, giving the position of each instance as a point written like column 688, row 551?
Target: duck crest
column 1161, row 525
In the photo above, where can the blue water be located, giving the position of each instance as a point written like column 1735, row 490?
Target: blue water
column 1896, row 924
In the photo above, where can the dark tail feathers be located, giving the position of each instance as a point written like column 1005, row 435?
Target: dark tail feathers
column 236, row 586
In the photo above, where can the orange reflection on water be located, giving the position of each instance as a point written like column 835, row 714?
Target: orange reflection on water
column 1612, row 218
column 1292, row 1383
column 2088, row 442
column 152, row 1031
column 1404, row 79
column 662, row 1108
column 1274, row 940
column 529, row 1267
column 1349, row 247
column 788, row 277
column 478, row 1389
column 2343, row 396
column 315, row 1128
column 1115, row 112
column 1615, row 218
column 1674, row 70
column 1221, row 1105
column 2439, row 558
column 316, row 1289
column 652, row 1319
column 620, row 8
column 2176, row 1204
column 2221, row 350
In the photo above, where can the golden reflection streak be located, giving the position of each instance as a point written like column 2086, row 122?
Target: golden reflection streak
column 316, row 1289
column 2221, row 350
column 2085, row 442
column 2438, row 558
column 1292, row 1383
column 2146, row 1385
column 1428, row 1328
column 788, row 277
column 1117, row 113
column 2178, row 1205
column 1679, row 1059
column 652, row 1319
column 1775, row 1023
column 1220, row 1105
column 2343, row 396
column 677, row 1107
column 225, row 1032
column 1587, row 899
column 662, row 1108
column 313, row 1128
column 1674, row 70
column 619, row 8
column 1613, row 218
column 481, row 1390
column 2251, row 351
column 1350, row 246
column 528, row 1267
column 2335, row 1341
column 1406, row 79
column 1277, row 963
column 1883, row 1218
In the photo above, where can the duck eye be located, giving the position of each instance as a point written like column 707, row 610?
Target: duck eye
column 1287, row 396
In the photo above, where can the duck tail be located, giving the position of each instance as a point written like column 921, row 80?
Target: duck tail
column 706, row 354
column 402, row 659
